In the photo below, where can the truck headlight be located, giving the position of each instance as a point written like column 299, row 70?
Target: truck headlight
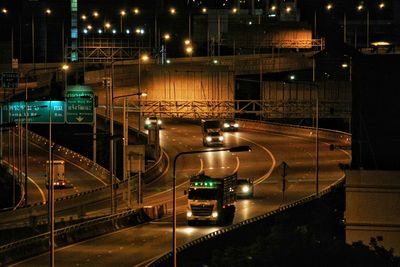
column 189, row 214
column 214, row 214
column 245, row 189
column 221, row 138
column 236, row 125
column 226, row 125
column 208, row 139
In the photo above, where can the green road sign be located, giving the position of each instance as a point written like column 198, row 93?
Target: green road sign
column 38, row 112
column 80, row 104
column 10, row 79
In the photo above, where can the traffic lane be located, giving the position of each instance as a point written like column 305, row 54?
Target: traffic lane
column 152, row 248
column 135, row 246
column 80, row 179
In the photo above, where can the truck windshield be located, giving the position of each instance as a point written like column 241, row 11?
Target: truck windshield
column 202, row 193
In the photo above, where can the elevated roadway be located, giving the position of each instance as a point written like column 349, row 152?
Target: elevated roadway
column 139, row 245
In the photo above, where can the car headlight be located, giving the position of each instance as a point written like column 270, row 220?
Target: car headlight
column 245, row 188
column 221, row 138
column 208, row 138
column 214, row 214
column 226, row 125
column 236, row 125
column 189, row 214
column 159, row 122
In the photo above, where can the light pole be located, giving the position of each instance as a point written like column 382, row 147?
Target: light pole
column 47, row 13
column 143, row 57
column 27, row 75
column 122, row 14
column 125, row 124
column 232, row 149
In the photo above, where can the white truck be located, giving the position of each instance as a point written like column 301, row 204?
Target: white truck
column 212, row 134
column 58, row 171
column 211, row 199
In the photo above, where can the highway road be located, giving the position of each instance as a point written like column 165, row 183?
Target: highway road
column 136, row 246
column 78, row 178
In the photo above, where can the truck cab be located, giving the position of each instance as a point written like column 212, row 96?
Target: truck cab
column 57, row 168
column 213, row 138
column 211, row 200
column 212, row 134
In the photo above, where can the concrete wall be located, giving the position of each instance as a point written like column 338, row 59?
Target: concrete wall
column 373, row 207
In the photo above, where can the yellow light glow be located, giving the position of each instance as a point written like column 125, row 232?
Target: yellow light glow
column 189, row 49
column 172, row 11
column 345, row 65
column 122, row 13
column 273, row 8
column 107, row 25
column 4, row 11
column 95, row 14
column 288, row 9
column 381, row 43
column 89, row 27
column 167, row 36
column 360, row 7
column 329, row 7
column 48, row 11
column 234, row 10
column 145, row 57
column 136, row 11
column 204, row 10
column 65, row 67
column 381, row 5
column 187, row 42
column 83, row 17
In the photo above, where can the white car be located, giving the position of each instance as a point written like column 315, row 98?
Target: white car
column 152, row 122
column 230, row 126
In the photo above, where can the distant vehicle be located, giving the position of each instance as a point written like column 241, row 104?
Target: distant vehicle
column 230, row 126
column 245, row 188
column 151, row 122
column 212, row 134
column 211, row 199
column 58, row 171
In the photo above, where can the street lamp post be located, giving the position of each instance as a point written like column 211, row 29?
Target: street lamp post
column 125, row 124
column 27, row 75
column 232, row 149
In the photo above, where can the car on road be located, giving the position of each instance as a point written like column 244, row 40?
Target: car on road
column 245, row 188
column 151, row 122
column 230, row 126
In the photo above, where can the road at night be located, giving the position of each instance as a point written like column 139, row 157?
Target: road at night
column 138, row 245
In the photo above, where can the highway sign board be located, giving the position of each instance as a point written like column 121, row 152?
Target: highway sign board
column 38, row 112
column 10, row 79
column 80, row 104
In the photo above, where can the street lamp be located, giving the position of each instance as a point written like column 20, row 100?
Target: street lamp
column 122, row 14
column 232, row 150
column 64, row 67
column 360, row 8
column 47, row 13
column 126, row 125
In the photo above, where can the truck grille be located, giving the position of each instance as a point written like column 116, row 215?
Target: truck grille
column 202, row 210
